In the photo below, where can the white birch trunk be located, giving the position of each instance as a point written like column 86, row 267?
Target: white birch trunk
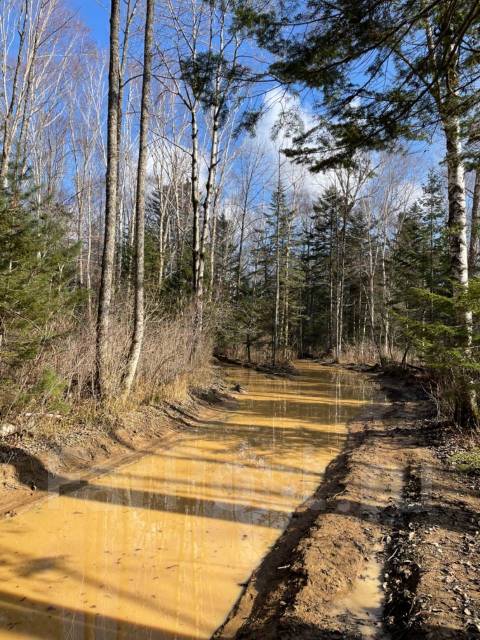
column 108, row 259
column 474, row 230
column 139, row 311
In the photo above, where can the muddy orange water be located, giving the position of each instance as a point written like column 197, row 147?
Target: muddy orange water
column 158, row 548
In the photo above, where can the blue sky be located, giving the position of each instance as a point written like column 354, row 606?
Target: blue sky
column 95, row 14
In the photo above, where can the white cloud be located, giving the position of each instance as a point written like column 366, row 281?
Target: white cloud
column 276, row 105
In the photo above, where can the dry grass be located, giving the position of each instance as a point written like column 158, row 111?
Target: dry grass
column 362, row 353
column 368, row 353
column 261, row 355
column 352, row 353
column 59, row 381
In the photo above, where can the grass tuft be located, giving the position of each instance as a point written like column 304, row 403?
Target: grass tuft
column 467, row 461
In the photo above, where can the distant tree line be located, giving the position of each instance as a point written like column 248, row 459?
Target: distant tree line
column 136, row 203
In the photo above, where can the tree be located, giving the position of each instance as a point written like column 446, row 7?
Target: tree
column 428, row 51
column 473, row 252
column 39, row 43
column 250, row 170
column 139, row 310
column 421, row 70
column 111, row 186
column 37, row 274
column 207, row 77
column 282, row 285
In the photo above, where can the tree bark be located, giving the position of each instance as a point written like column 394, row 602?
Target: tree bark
column 195, row 201
column 108, row 258
column 457, row 224
column 207, row 211
column 139, row 311
column 8, row 125
column 457, row 219
column 213, row 249
column 119, row 199
column 286, row 296
column 276, row 315
column 474, row 231
column 240, row 248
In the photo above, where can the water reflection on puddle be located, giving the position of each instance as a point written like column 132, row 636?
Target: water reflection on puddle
column 157, row 550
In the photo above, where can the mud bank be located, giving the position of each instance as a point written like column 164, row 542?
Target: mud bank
column 34, row 464
column 389, row 546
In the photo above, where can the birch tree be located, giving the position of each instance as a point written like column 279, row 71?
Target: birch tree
column 139, row 307
column 252, row 173
column 37, row 42
column 204, row 70
column 111, row 186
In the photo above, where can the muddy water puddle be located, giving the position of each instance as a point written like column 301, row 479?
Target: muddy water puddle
column 159, row 549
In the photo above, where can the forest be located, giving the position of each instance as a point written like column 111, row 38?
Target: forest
column 222, row 178
column 240, row 319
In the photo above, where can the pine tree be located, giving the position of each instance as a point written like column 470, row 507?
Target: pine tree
column 419, row 263
column 37, row 274
column 419, row 73
column 335, row 260
column 278, row 221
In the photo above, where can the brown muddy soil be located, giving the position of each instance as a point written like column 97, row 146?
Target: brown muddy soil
column 35, row 462
column 390, row 515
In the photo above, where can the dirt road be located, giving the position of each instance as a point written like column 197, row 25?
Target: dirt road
column 390, row 513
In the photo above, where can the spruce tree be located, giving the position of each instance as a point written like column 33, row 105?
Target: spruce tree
column 419, row 259
column 386, row 71
column 37, row 274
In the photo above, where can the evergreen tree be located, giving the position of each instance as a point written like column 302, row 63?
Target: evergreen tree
column 419, row 262
column 420, row 71
column 168, row 264
column 335, row 263
column 278, row 224
column 37, row 274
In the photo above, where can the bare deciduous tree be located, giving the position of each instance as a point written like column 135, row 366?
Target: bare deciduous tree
column 139, row 307
column 111, row 185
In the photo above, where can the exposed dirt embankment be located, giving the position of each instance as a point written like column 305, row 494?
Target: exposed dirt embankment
column 389, row 547
column 58, row 455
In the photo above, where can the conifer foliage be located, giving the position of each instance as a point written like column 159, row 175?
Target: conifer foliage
column 37, row 273
column 135, row 206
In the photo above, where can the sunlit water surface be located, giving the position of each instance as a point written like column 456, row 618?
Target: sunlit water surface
column 158, row 549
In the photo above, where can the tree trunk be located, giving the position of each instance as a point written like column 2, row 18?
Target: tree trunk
column 475, row 222
column 8, row 123
column 119, row 199
column 139, row 312
column 457, row 224
column 341, row 287
column 286, row 300
column 457, row 219
column 108, row 258
column 88, row 258
column 277, row 288
column 207, row 206
column 161, row 248
column 195, row 201
column 331, row 306
column 240, row 248
column 386, row 315
column 213, row 249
